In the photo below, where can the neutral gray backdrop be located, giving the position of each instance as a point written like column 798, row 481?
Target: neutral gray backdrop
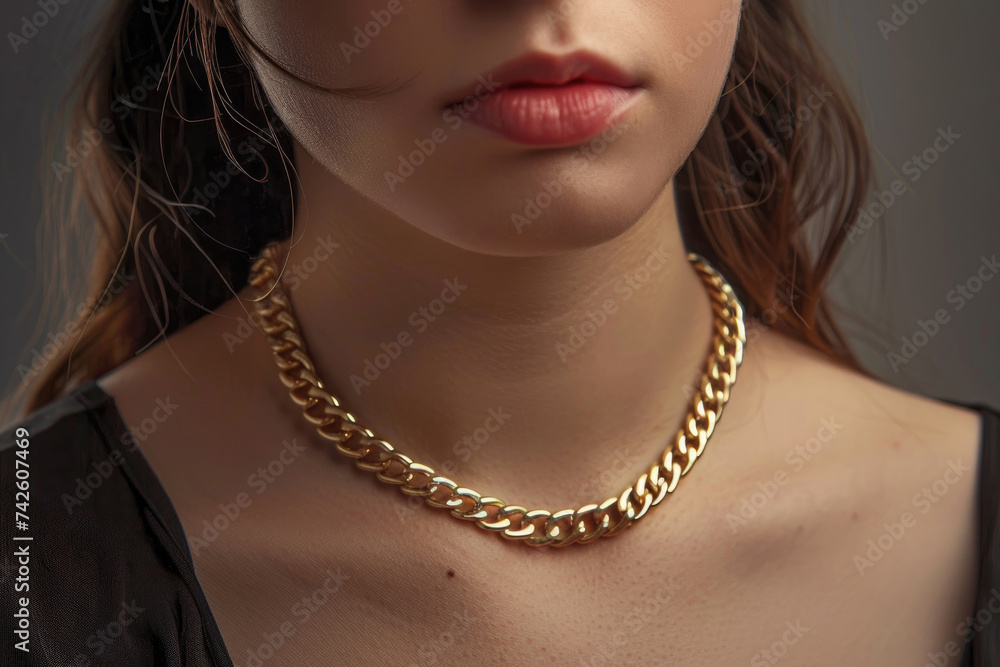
column 937, row 70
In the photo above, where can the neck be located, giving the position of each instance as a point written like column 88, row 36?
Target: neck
column 478, row 365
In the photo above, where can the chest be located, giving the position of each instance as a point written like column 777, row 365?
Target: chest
column 351, row 578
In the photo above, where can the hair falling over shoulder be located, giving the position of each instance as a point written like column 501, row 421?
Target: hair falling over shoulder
column 176, row 173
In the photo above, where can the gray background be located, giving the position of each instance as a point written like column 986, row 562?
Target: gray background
column 937, row 70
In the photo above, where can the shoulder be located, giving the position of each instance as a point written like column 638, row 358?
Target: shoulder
column 839, row 455
column 806, row 385
column 192, row 393
column 847, row 500
column 95, row 567
column 849, row 473
column 202, row 367
column 46, row 419
column 64, row 459
column 59, row 438
column 886, row 444
column 839, row 483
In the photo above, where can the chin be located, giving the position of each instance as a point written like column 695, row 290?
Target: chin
column 534, row 204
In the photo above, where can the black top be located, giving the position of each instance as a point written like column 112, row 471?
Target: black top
column 102, row 566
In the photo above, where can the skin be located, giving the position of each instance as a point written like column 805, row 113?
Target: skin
column 607, row 408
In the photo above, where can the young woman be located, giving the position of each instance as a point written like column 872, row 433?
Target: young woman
column 444, row 246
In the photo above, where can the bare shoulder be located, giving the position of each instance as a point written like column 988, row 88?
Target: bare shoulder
column 214, row 345
column 859, row 492
column 853, row 435
column 213, row 373
column 800, row 383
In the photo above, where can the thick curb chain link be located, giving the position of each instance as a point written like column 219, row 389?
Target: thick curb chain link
column 532, row 527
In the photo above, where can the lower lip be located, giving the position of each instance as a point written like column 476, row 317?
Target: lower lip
column 553, row 115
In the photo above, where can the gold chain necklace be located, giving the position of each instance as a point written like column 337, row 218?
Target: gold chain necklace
column 532, row 527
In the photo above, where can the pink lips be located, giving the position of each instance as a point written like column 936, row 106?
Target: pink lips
column 547, row 100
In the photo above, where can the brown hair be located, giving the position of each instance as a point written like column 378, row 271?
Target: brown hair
column 197, row 164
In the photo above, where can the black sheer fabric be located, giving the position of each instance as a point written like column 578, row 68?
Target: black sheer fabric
column 110, row 579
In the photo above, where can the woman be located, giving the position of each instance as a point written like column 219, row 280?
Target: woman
column 480, row 214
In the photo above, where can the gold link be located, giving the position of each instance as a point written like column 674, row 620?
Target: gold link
column 647, row 502
column 297, row 372
column 600, row 528
column 658, row 484
column 482, row 516
column 639, row 488
column 404, row 477
column 461, row 493
column 563, row 537
column 381, row 448
column 439, row 483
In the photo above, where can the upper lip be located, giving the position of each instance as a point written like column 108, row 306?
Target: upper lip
column 548, row 69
